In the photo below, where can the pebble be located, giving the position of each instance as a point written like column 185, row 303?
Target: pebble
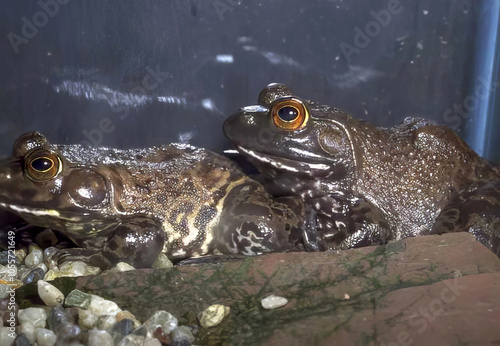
column 22, row 340
column 34, row 258
column 128, row 315
column 61, row 321
column 152, row 342
column 36, row 316
column 27, row 329
column 50, row 294
column 213, row 315
column 273, row 302
column 121, row 267
column 33, row 275
column 182, row 336
column 100, row 337
column 48, row 257
column 88, row 318
column 45, row 337
column 166, row 321
column 122, row 329
column 5, row 337
column 132, row 340
column 162, row 262
column 78, row 268
column 78, row 299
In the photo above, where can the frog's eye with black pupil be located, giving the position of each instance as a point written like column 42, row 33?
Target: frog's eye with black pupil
column 289, row 114
column 42, row 165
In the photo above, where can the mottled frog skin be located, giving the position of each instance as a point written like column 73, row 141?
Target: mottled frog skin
column 130, row 205
column 368, row 185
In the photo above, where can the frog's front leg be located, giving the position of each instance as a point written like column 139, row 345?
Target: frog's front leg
column 138, row 242
column 252, row 223
column 477, row 212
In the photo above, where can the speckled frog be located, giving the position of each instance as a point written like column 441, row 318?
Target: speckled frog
column 130, row 205
column 368, row 185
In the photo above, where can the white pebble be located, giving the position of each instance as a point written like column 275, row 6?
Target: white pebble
column 213, row 315
column 50, row 294
column 28, row 330
column 152, row 342
column 36, row 316
column 6, row 336
column 100, row 337
column 34, row 258
column 78, row 268
column 45, row 337
column 132, row 340
column 273, row 302
column 88, row 318
column 121, row 267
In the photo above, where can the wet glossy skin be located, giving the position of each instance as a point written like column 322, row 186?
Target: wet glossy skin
column 130, row 205
column 368, row 185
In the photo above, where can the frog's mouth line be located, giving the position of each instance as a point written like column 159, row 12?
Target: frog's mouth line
column 39, row 212
column 282, row 163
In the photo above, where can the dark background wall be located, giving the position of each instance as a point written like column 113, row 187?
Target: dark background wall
column 142, row 73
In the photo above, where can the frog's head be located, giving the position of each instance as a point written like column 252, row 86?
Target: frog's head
column 39, row 184
column 285, row 134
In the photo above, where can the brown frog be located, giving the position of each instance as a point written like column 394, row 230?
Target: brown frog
column 368, row 184
column 131, row 205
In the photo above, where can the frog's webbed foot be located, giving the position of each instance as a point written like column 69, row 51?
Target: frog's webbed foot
column 477, row 212
column 92, row 257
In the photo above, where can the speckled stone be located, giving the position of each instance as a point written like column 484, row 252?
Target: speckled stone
column 45, row 337
column 273, row 302
column 213, row 315
column 78, row 299
column 50, row 294
column 36, row 316
column 100, row 337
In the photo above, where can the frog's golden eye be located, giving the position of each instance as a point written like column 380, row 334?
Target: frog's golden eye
column 42, row 165
column 289, row 114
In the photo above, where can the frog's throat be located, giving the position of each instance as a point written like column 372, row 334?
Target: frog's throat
column 21, row 210
column 285, row 164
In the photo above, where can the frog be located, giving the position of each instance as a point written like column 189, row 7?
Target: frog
column 131, row 205
column 369, row 185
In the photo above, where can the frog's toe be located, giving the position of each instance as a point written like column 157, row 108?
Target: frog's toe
column 89, row 256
